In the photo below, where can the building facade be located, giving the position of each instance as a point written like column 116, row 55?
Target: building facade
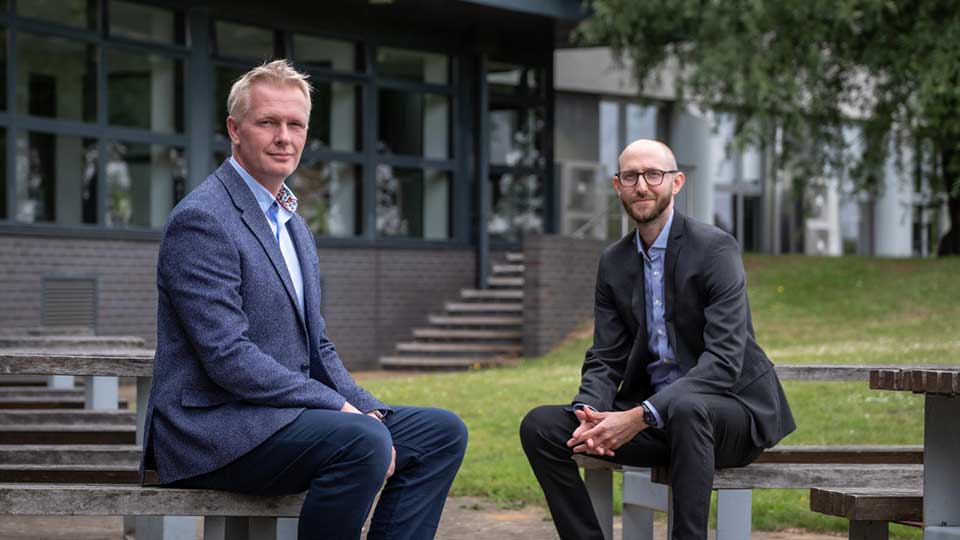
column 430, row 144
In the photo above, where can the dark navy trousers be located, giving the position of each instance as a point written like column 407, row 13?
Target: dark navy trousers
column 340, row 460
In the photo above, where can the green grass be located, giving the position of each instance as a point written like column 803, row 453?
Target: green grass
column 805, row 310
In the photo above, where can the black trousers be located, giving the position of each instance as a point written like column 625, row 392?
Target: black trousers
column 703, row 432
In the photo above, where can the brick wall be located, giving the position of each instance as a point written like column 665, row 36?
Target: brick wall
column 372, row 298
column 559, row 282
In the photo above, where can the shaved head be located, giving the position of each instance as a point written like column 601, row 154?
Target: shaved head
column 647, row 147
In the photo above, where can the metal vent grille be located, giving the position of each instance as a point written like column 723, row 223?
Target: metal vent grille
column 70, row 302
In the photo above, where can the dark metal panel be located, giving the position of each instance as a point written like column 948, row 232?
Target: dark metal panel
column 199, row 105
column 483, row 173
column 559, row 9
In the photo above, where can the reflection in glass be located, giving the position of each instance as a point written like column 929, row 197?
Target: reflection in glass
column 144, row 91
column 56, row 179
column 516, row 137
column 334, row 54
column 513, row 79
column 138, row 21
column 416, row 124
column 82, row 13
column 223, row 79
column 413, row 66
column 144, row 182
column 329, row 195
column 56, row 78
column 517, row 205
column 333, row 117
column 243, row 41
column 413, row 203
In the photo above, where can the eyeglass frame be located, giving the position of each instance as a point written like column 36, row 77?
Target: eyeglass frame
column 643, row 174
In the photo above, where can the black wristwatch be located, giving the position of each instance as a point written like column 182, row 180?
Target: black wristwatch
column 648, row 417
column 380, row 416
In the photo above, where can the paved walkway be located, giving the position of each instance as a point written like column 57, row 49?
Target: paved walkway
column 465, row 518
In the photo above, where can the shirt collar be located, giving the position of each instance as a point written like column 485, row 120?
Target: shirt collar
column 286, row 200
column 660, row 243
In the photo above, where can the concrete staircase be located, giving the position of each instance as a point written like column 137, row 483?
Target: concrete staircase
column 482, row 328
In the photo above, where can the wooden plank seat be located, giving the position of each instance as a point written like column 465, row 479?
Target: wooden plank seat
column 48, row 433
column 75, row 474
column 870, row 510
column 70, row 454
column 781, row 467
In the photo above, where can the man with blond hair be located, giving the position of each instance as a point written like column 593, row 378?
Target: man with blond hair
column 674, row 376
column 249, row 394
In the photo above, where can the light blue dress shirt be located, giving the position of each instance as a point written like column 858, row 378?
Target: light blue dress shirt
column 664, row 369
column 278, row 217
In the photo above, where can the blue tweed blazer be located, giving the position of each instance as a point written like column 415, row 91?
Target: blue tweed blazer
column 236, row 361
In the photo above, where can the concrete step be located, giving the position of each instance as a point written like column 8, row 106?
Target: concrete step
column 459, row 349
column 507, row 269
column 499, row 282
column 443, row 363
column 484, row 307
column 82, row 416
column 43, row 391
column 73, row 343
column 72, row 403
column 492, row 294
column 461, row 334
column 68, row 434
column 70, row 454
column 514, row 257
column 474, row 321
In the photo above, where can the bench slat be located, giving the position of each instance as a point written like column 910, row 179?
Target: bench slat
column 864, row 504
column 795, row 476
column 53, row 416
column 130, row 364
column 74, row 474
column 70, row 454
column 68, row 434
column 120, row 500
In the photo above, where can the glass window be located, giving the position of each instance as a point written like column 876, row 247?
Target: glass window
column 3, row 68
column 413, row 66
column 416, row 124
column 513, row 79
column 724, row 211
column 516, row 137
column 3, row 174
column 517, row 205
column 223, row 79
column 413, row 203
column 138, row 21
column 641, row 122
column 243, row 41
column 610, row 146
column 334, row 116
column 723, row 166
column 56, row 78
column 144, row 182
column 144, row 91
column 56, row 179
column 334, row 54
column 82, row 13
column 329, row 196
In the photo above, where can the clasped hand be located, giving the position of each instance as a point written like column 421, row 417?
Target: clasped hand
column 600, row 433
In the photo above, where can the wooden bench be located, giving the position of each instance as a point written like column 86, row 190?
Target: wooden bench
column 870, row 510
column 69, row 479
column 789, row 467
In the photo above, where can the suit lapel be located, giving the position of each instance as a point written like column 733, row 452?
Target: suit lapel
column 674, row 246
column 254, row 219
column 638, row 301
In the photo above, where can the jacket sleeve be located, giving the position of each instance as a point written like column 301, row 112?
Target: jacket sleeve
column 353, row 392
column 606, row 360
column 718, row 368
column 199, row 268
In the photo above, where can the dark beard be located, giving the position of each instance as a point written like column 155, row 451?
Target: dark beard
column 659, row 207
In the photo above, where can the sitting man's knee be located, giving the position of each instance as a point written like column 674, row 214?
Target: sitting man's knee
column 688, row 409
column 451, row 429
column 533, row 423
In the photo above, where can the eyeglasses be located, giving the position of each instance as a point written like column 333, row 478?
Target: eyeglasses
column 653, row 177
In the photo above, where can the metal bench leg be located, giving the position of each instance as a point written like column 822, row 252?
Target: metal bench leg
column 225, row 528
column 166, row 528
column 262, row 528
column 600, row 487
column 734, row 513
column 102, row 393
column 60, row 381
column 640, row 498
column 868, row 530
column 287, row 528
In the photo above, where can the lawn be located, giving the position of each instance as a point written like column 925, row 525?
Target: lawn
column 805, row 310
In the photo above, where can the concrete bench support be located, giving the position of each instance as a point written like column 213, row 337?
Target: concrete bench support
column 60, row 381
column 600, row 486
column 102, row 393
column 734, row 512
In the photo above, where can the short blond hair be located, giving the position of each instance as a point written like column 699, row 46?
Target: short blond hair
column 278, row 72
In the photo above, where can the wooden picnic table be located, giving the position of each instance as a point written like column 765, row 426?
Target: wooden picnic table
column 941, row 442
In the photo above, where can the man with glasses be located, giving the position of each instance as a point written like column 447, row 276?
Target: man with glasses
column 674, row 376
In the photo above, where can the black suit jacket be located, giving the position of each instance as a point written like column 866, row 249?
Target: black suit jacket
column 708, row 322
